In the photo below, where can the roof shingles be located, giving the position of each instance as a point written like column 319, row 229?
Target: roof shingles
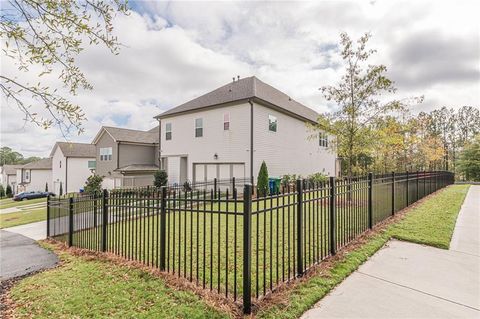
column 247, row 88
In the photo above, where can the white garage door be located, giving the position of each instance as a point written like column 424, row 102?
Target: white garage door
column 206, row 172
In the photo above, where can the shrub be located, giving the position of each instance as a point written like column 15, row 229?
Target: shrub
column 60, row 191
column 8, row 191
column 46, row 187
column 93, row 184
column 160, row 178
column 317, row 178
column 262, row 180
column 2, row 191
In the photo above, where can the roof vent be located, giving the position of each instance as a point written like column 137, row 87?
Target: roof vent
column 238, row 77
column 233, row 79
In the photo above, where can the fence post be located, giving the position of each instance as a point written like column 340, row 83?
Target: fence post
column 393, row 193
column 215, row 188
column 163, row 227
column 70, row 221
column 331, row 218
column 104, row 219
column 299, row 227
column 95, row 195
column 370, row 200
column 247, row 249
column 408, row 203
column 48, row 215
column 418, row 176
column 233, row 184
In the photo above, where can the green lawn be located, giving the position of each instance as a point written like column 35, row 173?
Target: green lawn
column 431, row 223
column 86, row 288
column 30, row 211
column 8, row 202
column 21, row 218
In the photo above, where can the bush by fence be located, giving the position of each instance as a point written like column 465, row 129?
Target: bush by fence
column 231, row 242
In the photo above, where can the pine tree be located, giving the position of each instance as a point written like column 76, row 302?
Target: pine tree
column 2, row 191
column 9, row 192
column 46, row 187
column 60, row 192
column 262, row 180
column 160, row 178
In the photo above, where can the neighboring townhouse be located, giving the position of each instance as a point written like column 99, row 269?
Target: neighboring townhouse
column 231, row 130
column 72, row 164
column 9, row 176
column 34, row 176
column 125, row 157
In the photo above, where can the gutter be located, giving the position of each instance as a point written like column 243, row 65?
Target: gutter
column 66, row 174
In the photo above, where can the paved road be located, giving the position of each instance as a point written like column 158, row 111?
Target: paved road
column 405, row 280
column 21, row 256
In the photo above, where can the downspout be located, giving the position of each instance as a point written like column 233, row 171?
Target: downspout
column 251, row 140
column 118, row 155
column 66, row 175
column 160, row 143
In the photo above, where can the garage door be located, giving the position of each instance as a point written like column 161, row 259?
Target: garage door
column 206, row 172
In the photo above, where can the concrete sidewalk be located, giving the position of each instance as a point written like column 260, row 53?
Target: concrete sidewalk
column 35, row 231
column 406, row 280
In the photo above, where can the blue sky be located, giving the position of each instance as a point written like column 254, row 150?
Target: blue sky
column 175, row 51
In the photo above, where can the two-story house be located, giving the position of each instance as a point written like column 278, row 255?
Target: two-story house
column 34, row 176
column 229, row 132
column 125, row 157
column 72, row 164
column 9, row 176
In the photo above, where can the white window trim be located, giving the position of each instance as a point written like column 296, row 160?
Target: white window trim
column 168, row 131
column 200, row 127
column 227, row 116
column 275, row 119
column 106, row 154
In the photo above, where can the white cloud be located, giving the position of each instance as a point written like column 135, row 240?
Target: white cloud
column 176, row 51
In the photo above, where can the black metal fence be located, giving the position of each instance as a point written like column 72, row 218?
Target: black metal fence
column 235, row 243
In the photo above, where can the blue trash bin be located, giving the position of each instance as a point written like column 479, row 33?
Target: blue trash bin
column 271, row 185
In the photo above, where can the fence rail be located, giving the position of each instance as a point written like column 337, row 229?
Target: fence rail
column 231, row 242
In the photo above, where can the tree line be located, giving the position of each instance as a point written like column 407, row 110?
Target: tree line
column 8, row 156
column 373, row 133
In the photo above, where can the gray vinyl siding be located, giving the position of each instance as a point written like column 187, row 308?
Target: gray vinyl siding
column 136, row 154
column 106, row 168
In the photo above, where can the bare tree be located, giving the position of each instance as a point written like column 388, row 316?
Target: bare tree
column 50, row 34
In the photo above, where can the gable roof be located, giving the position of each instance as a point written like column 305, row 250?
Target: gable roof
column 244, row 89
column 128, row 135
column 75, row 149
column 45, row 163
column 11, row 169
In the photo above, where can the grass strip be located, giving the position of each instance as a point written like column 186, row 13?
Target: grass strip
column 430, row 222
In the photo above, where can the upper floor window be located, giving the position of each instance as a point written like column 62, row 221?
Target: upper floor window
column 199, row 127
column 168, row 131
column 27, row 175
column 272, row 123
column 106, row 154
column 60, row 164
column 226, row 121
column 323, row 139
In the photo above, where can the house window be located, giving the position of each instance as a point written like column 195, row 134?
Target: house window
column 92, row 164
column 168, row 131
column 272, row 123
column 60, row 164
column 226, row 121
column 27, row 175
column 199, row 127
column 106, row 154
column 323, row 139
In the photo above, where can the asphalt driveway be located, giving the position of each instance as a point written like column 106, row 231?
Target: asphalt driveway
column 20, row 256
